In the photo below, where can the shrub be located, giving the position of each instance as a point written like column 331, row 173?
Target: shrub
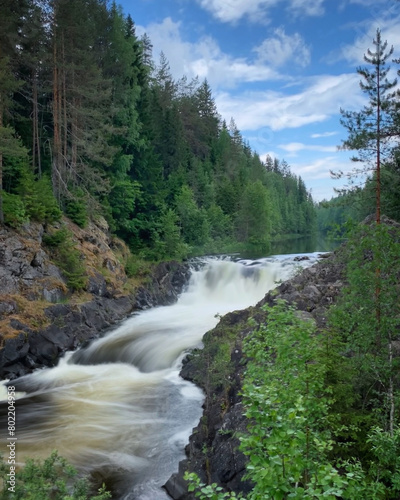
column 67, row 258
column 50, row 479
column 76, row 208
column 38, row 198
column 13, row 209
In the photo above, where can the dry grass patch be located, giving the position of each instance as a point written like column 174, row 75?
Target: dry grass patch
column 28, row 312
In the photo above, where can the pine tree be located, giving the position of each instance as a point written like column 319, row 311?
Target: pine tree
column 369, row 130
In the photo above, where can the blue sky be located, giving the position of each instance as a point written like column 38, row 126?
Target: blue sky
column 281, row 68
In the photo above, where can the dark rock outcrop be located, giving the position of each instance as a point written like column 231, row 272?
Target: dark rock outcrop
column 213, row 451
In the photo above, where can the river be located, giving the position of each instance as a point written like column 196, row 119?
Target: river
column 118, row 409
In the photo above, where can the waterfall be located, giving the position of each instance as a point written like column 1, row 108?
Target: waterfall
column 118, row 408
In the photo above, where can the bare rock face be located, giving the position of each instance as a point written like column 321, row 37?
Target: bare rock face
column 26, row 268
column 213, row 451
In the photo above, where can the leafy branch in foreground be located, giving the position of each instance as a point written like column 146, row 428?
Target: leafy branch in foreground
column 287, row 406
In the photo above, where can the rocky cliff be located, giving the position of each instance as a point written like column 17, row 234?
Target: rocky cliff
column 41, row 317
column 218, row 368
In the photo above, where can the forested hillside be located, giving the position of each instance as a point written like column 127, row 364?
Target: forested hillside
column 90, row 126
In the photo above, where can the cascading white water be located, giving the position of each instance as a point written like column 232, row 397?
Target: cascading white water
column 119, row 407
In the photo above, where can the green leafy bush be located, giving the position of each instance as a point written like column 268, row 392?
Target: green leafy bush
column 57, row 238
column 286, row 401
column 169, row 244
column 135, row 266
column 52, row 479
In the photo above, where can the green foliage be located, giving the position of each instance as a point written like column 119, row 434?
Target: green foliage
column 370, row 130
column 38, row 197
column 308, row 434
column 67, row 257
column 367, row 315
column 122, row 137
column 135, row 266
column 15, row 158
column 122, row 199
column 14, row 210
column 366, row 323
column 220, row 224
column 211, row 492
column 48, row 480
column 76, row 207
column 57, row 238
column 169, row 243
column 253, row 219
column 193, row 220
column 287, row 404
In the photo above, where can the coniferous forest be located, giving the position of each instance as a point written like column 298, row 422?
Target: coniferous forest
column 91, row 125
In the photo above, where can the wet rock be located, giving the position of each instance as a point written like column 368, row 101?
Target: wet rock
column 14, row 350
column 43, row 351
column 301, row 258
column 176, row 487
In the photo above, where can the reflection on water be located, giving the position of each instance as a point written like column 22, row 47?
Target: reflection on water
column 305, row 244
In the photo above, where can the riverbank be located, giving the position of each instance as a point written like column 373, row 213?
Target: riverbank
column 213, row 450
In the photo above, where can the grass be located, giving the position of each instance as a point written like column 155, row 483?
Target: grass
column 28, row 312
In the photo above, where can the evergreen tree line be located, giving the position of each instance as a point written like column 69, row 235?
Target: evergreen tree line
column 90, row 125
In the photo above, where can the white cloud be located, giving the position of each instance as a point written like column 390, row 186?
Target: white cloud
column 388, row 21
column 204, row 58
column 317, row 174
column 295, row 147
column 307, row 7
column 323, row 134
column 367, row 3
column 282, row 48
column 231, row 11
column 323, row 98
column 320, row 168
